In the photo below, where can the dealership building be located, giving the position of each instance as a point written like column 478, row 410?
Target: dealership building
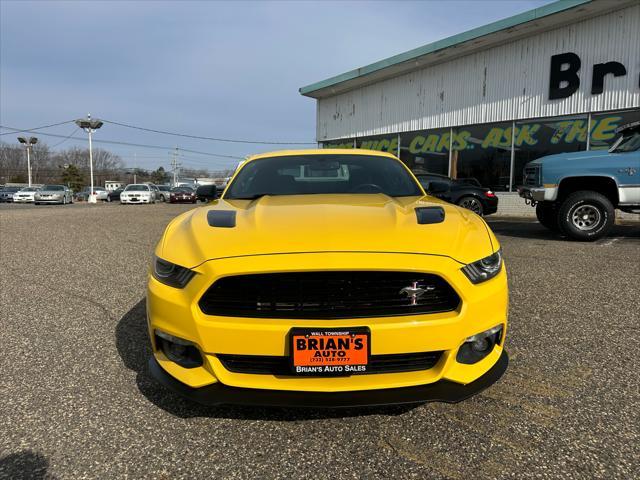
column 481, row 104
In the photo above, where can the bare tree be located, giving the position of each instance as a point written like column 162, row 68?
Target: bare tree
column 52, row 167
column 13, row 162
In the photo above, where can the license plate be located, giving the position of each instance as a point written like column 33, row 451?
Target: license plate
column 329, row 352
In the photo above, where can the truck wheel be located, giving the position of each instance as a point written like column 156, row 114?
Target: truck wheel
column 548, row 216
column 586, row 216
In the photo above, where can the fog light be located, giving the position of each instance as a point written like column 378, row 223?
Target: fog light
column 481, row 345
column 477, row 347
column 178, row 350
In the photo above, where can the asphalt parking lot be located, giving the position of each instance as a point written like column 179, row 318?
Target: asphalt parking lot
column 77, row 402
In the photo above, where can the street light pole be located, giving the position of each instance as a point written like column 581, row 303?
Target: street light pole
column 28, row 143
column 92, row 197
column 29, row 163
column 90, row 126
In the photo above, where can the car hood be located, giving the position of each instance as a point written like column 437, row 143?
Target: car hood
column 49, row 192
column 564, row 157
column 325, row 223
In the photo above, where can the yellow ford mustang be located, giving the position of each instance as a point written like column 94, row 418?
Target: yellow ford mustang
column 327, row 278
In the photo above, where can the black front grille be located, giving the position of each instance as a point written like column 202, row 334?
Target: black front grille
column 531, row 176
column 271, row 365
column 328, row 295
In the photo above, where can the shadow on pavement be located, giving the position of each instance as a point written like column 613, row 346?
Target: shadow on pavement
column 132, row 342
column 530, row 228
column 25, row 465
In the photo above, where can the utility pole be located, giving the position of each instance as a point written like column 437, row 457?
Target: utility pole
column 174, row 166
column 28, row 143
column 135, row 166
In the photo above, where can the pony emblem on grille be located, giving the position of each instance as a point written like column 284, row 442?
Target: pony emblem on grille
column 414, row 292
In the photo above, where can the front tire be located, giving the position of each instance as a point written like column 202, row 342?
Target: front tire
column 471, row 203
column 548, row 216
column 586, row 216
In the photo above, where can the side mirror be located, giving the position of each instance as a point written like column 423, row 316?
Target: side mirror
column 438, row 187
column 208, row 192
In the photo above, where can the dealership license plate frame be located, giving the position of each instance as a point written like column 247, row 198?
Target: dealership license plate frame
column 333, row 371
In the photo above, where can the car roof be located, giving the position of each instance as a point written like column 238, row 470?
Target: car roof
column 321, row 151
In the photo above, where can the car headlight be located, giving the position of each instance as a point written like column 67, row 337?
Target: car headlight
column 170, row 273
column 484, row 269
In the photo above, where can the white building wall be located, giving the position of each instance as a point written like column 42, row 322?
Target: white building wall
column 507, row 82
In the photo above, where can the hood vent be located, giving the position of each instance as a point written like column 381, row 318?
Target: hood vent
column 428, row 215
column 221, row 218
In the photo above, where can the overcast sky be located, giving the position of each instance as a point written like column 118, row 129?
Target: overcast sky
column 219, row 69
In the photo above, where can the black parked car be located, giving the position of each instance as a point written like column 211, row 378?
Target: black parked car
column 203, row 191
column 114, row 195
column 463, row 192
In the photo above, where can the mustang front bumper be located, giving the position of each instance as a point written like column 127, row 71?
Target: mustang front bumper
column 176, row 312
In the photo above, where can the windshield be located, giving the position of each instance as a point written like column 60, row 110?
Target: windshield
column 164, row 188
column 29, row 189
column 628, row 143
column 182, row 190
column 11, row 189
column 137, row 188
column 54, row 188
column 322, row 174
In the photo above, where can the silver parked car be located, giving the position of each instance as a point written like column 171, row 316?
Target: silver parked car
column 53, row 194
column 101, row 194
column 26, row 195
column 163, row 192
